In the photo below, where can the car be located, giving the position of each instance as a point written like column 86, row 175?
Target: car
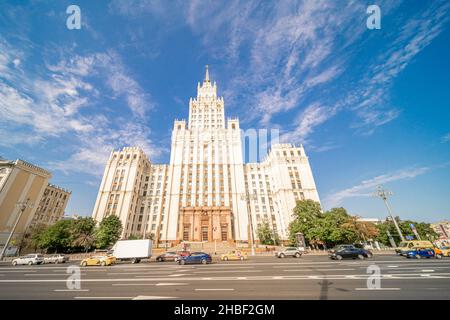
column 182, row 254
column 340, row 247
column 406, row 246
column 98, row 261
column 168, row 256
column 195, row 257
column 56, row 258
column 29, row 259
column 420, row 253
column 445, row 251
column 234, row 255
column 289, row 252
column 438, row 252
column 350, row 253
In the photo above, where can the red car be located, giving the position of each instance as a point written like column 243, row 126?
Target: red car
column 171, row 256
column 182, row 254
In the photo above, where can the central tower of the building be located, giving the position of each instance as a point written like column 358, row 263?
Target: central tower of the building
column 206, row 173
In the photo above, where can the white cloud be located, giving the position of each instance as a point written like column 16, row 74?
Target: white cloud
column 37, row 106
column 371, row 99
column 295, row 48
column 95, row 148
column 367, row 187
column 313, row 116
column 446, row 138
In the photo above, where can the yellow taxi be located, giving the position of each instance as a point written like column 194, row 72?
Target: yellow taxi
column 234, row 255
column 445, row 251
column 98, row 261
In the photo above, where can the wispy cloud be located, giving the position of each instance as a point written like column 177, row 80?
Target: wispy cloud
column 446, row 138
column 371, row 99
column 313, row 116
column 61, row 102
column 367, row 187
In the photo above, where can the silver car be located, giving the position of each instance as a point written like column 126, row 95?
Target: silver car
column 289, row 252
column 56, row 258
column 29, row 259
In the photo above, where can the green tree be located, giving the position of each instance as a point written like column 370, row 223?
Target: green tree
column 31, row 238
column 266, row 235
column 360, row 230
column 134, row 237
column 56, row 237
column 337, row 222
column 306, row 217
column 108, row 232
column 423, row 229
column 82, row 233
column 330, row 228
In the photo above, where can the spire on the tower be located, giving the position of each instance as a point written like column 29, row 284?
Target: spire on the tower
column 207, row 74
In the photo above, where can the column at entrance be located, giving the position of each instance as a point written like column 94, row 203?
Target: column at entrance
column 207, row 224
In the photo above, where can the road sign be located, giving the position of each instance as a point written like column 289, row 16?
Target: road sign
column 414, row 230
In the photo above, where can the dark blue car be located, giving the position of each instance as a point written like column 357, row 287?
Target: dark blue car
column 195, row 257
column 420, row 253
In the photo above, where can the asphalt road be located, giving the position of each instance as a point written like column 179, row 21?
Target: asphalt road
column 310, row 277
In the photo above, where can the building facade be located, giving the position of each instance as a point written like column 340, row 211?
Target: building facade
column 22, row 182
column 51, row 206
column 206, row 192
column 442, row 228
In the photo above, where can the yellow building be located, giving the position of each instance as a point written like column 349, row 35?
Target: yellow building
column 20, row 181
column 52, row 205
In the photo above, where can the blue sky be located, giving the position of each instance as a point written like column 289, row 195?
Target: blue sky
column 370, row 106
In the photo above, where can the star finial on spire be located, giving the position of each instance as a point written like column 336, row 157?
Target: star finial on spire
column 207, row 74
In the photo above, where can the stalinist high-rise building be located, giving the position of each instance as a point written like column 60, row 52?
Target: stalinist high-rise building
column 206, row 192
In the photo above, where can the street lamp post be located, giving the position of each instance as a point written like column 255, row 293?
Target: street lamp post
column 384, row 194
column 247, row 198
column 23, row 205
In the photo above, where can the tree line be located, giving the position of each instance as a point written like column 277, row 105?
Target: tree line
column 79, row 235
column 336, row 226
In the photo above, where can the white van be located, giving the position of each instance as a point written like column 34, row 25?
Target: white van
column 134, row 250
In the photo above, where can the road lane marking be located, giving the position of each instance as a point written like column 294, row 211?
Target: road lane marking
column 392, row 266
column 133, row 273
column 233, row 278
column 104, row 298
column 70, row 290
column 150, row 284
column 427, row 270
column 377, row 289
column 242, row 278
column 223, row 289
column 309, row 270
column 152, row 298
column 229, row 271
column 133, row 284
column 49, row 274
